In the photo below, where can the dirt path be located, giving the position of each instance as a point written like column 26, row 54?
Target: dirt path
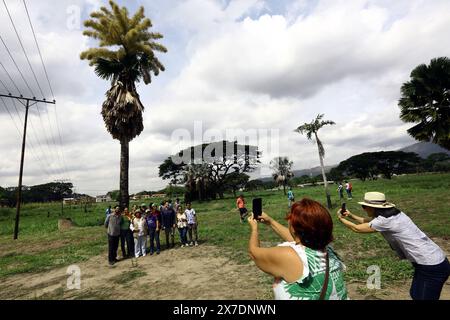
column 203, row 272
column 183, row 273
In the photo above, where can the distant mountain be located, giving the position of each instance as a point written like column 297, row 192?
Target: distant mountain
column 313, row 171
column 424, row 149
column 305, row 172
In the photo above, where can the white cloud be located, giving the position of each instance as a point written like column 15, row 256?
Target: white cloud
column 243, row 64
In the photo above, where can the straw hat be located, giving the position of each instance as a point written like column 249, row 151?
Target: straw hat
column 376, row 200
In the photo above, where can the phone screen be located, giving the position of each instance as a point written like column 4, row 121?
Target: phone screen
column 257, row 208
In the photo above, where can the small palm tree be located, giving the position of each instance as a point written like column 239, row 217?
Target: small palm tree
column 126, row 56
column 282, row 167
column 312, row 129
column 197, row 179
column 426, row 102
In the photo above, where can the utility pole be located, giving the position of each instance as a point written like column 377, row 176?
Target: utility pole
column 27, row 102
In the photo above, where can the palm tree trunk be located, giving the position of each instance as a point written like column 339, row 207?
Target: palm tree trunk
column 325, row 181
column 124, row 167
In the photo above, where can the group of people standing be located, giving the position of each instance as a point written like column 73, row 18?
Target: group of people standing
column 134, row 229
column 348, row 189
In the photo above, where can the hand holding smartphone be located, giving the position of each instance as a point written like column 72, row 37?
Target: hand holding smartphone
column 257, row 208
column 344, row 210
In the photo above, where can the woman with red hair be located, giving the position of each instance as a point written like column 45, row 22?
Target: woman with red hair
column 305, row 267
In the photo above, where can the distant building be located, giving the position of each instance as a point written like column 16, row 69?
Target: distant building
column 161, row 195
column 87, row 199
column 69, row 201
column 141, row 197
column 101, row 199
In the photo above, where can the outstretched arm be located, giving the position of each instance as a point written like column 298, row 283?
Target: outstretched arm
column 355, row 217
column 273, row 261
column 358, row 228
column 279, row 229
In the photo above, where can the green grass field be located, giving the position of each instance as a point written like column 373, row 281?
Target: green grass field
column 425, row 198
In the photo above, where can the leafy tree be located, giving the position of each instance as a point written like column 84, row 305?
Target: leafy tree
column 207, row 166
column 311, row 130
column 395, row 162
column 425, row 101
column 370, row 165
column 169, row 170
column 437, row 162
column 198, row 182
column 282, row 168
column 125, row 56
column 236, row 181
column 50, row 192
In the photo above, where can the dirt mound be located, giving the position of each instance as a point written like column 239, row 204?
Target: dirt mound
column 65, row 224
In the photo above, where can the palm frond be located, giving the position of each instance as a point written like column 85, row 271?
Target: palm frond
column 122, row 112
column 425, row 101
column 136, row 44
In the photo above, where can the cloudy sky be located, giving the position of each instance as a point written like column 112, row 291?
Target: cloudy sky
column 241, row 64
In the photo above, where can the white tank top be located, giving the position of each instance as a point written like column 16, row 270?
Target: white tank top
column 310, row 284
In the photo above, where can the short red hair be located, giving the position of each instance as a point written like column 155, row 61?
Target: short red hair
column 312, row 223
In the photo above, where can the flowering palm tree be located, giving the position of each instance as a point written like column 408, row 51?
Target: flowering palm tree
column 126, row 56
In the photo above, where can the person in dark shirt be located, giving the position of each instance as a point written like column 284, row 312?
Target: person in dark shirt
column 154, row 227
column 168, row 219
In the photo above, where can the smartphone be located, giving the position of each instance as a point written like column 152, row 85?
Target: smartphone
column 257, row 208
column 343, row 208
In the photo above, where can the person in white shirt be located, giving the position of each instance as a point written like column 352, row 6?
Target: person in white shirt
column 430, row 263
column 139, row 228
column 192, row 224
column 182, row 225
column 349, row 189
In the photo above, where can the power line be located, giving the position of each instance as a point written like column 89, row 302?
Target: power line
column 17, row 67
column 26, row 83
column 47, row 164
column 53, row 139
column 19, row 133
column 60, row 154
column 61, row 142
column 48, row 142
column 49, row 85
column 10, row 78
column 23, row 49
column 39, row 50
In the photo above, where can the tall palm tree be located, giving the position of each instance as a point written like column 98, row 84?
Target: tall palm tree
column 126, row 55
column 312, row 129
column 426, row 102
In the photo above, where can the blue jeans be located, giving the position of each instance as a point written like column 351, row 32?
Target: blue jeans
column 154, row 235
column 183, row 235
column 428, row 281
